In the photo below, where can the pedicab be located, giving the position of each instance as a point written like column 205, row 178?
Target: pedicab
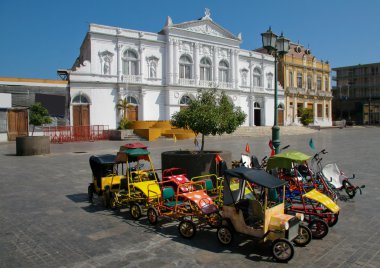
column 336, row 178
column 213, row 186
column 176, row 177
column 320, row 211
column 194, row 209
column 107, row 173
column 133, row 188
column 258, row 213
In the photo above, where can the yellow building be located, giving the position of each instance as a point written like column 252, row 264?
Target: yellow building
column 306, row 81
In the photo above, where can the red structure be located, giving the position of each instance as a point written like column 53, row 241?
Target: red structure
column 76, row 133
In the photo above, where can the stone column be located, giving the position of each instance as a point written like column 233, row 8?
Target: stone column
column 295, row 103
column 196, row 63
column 141, row 62
column 232, row 67
column 236, row 67
column 118, row 55
column 142, row 105
column 324, row 111
column 315, row 107
column 175, row 62
column 215, row 76
column 169, row 63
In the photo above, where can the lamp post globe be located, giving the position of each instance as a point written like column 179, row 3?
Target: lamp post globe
column 276, row 46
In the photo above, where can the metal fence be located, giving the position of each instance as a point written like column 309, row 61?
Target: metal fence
column 61, row 134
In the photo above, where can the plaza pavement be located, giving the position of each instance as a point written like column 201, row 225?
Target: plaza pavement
column 46, row 221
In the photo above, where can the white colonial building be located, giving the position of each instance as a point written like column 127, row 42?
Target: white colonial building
column 160, row 72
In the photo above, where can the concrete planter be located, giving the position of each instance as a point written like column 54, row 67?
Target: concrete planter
column 196, row 163
column 32, row 145
column 120, row 134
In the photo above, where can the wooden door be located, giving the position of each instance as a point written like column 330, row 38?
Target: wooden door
column 81, row 115
column 257, row 117
column 81, row 118
column 280, row 117
column 17, row 124
column 132, row 113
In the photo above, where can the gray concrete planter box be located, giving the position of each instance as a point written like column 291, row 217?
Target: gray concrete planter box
column 196, row 163
column 120, row 134
column 32, row 145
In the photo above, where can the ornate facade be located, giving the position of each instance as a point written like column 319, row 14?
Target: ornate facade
column 306, row 81
column 160, row 72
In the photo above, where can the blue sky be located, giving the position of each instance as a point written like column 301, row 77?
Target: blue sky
column 40, row 36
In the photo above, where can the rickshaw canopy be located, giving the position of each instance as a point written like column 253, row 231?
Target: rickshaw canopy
column 285, row 159
column 100, row 164
column 136, row 152
column 256, row 176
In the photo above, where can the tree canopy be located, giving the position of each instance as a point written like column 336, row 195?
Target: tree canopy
column 210, row 113
column 38, row 115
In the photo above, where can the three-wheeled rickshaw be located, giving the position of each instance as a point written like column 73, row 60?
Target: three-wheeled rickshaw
column 133, row 187
column 258, row 212
column 193, row 208
column 106, row 175
column 320, row 211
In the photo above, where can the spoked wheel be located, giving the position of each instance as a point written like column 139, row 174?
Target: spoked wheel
column 349, row 188
column 152, row 216
column 135, row 210
column 106, row 198
column 332, row 219
column 304, row 236
column 214, row 220
column 282, row 250
column 318, row 228
column 187, row 229
column 90, row 193
column 225, row 235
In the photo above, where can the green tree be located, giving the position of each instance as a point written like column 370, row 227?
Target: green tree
column 210, row 113
column 123, row 105
column 306, row 116
column 38, row 115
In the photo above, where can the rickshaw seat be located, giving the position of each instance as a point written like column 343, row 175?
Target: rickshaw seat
column 123, row 184
column 168, row 196
column 209, row 185
column 257, row 212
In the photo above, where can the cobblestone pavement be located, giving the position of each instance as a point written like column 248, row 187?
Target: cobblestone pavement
column 45, row 220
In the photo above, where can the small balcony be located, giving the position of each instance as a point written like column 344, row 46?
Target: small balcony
column 207, row 84
column 127, row 78
column 186, row 82
column 225, row 85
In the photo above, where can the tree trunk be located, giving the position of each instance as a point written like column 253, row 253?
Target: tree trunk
column 203, row 142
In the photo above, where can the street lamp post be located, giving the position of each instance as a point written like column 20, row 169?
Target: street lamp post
column 276, row 46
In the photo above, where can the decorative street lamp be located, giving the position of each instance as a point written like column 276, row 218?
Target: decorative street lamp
column 276, row 46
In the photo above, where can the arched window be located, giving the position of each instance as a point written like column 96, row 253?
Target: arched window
column 185, row 100
column 299, row 80
column 205, row 69
column 270, row 80
column 244, row 76
column 130, row 62
column 132, row 100
column 257, row 77
column 280, row 106
column 309, row 82
column 223, row 71
column 80, row 99
column 185, row 64
column 290, row 79
column 256, row 105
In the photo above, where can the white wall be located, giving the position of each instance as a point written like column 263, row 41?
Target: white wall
column 5, row 100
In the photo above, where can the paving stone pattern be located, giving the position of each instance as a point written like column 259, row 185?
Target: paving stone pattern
column 46, row 221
